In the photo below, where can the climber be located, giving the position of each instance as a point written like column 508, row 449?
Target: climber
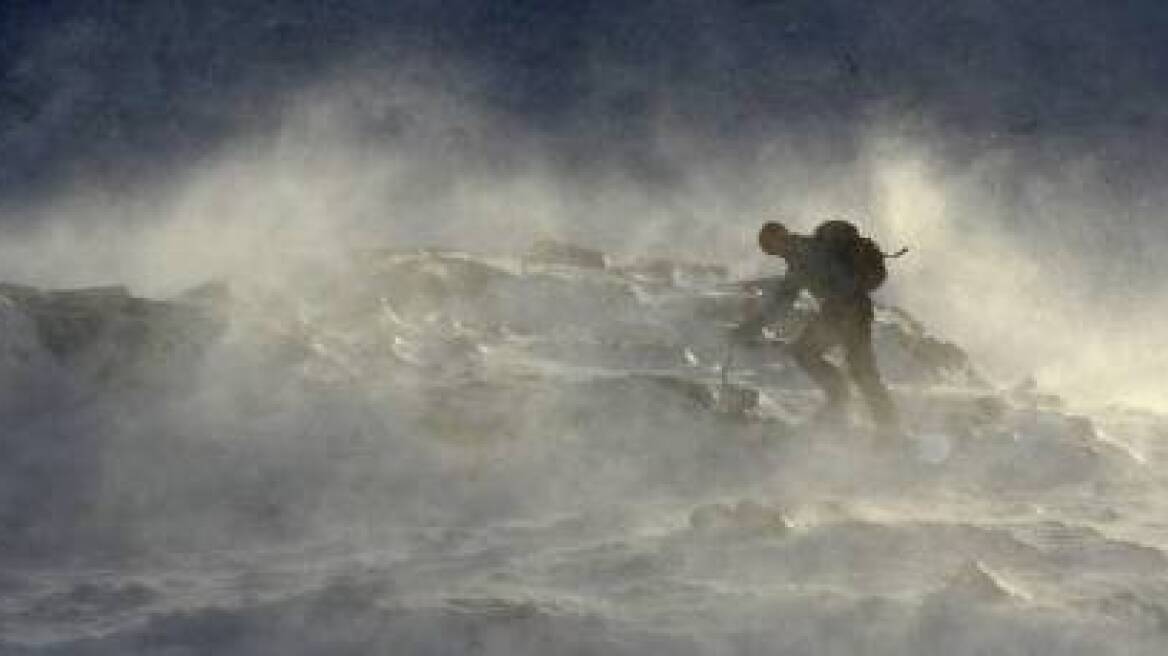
column 840, row 268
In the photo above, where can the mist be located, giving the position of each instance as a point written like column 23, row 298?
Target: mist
column 1009, row 250
column 362, row 392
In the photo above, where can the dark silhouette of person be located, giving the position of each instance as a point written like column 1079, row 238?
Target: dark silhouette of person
column 826, row 266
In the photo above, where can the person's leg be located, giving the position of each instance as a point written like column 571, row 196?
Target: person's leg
column 808, row 351
column 861, row 361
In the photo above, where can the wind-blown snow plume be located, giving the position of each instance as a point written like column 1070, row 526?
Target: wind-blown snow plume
column 327, row 396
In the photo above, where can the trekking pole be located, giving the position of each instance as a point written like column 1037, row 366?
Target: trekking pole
column 724, row 389
column 726, row 362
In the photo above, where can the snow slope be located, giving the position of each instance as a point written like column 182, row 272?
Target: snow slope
column 434, row 452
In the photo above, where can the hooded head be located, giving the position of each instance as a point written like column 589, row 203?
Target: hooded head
column 774, row 239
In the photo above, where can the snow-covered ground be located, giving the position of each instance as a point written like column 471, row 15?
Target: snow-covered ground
column 442, row 453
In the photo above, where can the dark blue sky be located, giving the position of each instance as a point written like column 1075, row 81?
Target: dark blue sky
column 111, row 92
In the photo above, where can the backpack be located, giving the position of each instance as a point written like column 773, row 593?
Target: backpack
column 861, row 255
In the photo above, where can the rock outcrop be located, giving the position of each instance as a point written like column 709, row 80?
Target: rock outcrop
column 108, row 332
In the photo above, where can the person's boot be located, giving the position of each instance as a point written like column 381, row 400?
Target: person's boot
column 833, row 414
column 889, row 428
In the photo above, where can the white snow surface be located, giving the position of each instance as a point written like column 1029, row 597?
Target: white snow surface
column 443, row 453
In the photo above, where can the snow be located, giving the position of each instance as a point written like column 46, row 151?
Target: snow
column 443, row 453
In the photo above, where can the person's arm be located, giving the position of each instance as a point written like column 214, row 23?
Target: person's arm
column 779, row 294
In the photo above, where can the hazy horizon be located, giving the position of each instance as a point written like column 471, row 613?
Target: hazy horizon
column 1016, row 152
